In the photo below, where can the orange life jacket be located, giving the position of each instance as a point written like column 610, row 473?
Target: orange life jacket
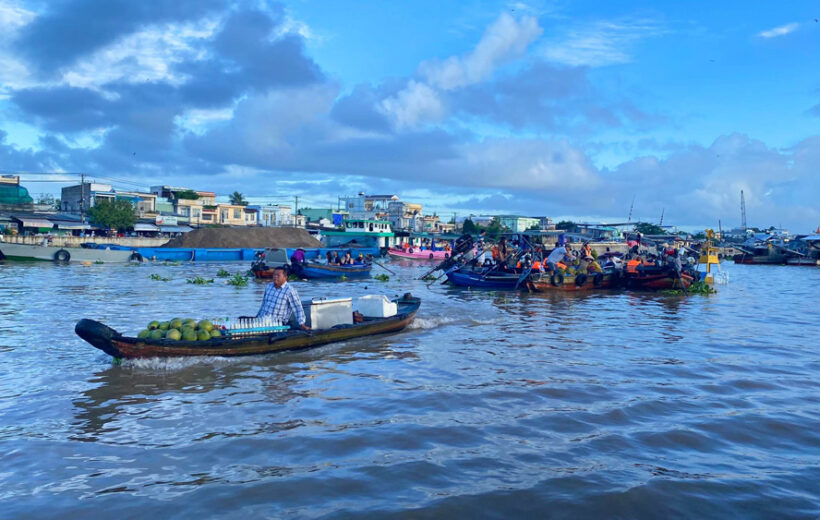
column 632, row 266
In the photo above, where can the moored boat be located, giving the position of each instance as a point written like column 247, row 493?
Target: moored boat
column 419, row 254
column 117, row 345
column 484, row 279
column 657, row 278
column 66, row 254
column 311, row 270
column 543, row 282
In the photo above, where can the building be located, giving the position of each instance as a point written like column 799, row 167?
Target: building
column 518, row 224
column 367, row 206
column 403, row 215
column 235, row 215
column 11, row 193
column 274, row 215
column 78, row 199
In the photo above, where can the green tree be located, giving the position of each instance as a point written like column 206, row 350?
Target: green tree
column 645, row 228
column 238, row 199
column 188, row 195
column 469, row 227
column 494, row 228
column 567, row 225
column 116, row 214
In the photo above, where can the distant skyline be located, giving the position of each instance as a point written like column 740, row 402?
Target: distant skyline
column 563, row 109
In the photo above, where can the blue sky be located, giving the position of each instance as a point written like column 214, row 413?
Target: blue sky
column 565, row 109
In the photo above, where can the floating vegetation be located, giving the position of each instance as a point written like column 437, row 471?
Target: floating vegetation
column 293, row 278
column 343, row 278
column 429, row 278
column 222, row 273
column 159, row 278
column 199, row 280
column 382, row 277
column 99, row 262
column 168, row 262
column 238, row 280
column 699, row 287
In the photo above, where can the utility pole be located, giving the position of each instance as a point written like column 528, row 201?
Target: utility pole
column 296, row 205
column 82, row 199
column 742, row 212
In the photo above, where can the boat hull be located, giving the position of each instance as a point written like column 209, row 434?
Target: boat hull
column 115, row 344
column 657, row 280
column 478, row 280
column 314, row 271
column 425, row 255
column 548, row 283
column 25, row 252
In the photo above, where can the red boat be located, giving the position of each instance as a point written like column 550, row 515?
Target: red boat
column 656, row 277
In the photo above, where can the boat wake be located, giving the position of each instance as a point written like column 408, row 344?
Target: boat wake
column 173, row 364
column 430, row 323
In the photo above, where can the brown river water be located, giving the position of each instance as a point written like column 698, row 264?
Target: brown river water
column 491, row 405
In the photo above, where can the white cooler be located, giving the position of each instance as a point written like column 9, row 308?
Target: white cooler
column 376, row 306
column 325, row 313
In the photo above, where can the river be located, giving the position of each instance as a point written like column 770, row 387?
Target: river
column 491, row 405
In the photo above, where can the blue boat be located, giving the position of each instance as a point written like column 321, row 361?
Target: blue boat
column 312, row 270
column 484, row 279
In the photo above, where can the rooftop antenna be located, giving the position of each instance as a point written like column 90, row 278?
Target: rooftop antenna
column 742, row 212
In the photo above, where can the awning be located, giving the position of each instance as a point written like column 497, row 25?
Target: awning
column 37, row 222
column 145, row 227
column 72, row 225
column 175, row 229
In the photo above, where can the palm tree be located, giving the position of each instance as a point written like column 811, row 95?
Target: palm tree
column 238, row 199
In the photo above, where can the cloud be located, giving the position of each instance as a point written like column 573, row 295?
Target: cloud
column 417, row 103
column 781, row 30
column 505, row 40
column 601, row 43
column 73, row 29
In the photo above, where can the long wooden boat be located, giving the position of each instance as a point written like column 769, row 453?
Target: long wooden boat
column 545, row 282
column 119, row 346
column 313, row 270
column 657, row 278
column 483, row 279
column 66, row 254
column 419, row 254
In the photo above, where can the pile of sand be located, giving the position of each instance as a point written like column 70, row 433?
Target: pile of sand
column 258, row 237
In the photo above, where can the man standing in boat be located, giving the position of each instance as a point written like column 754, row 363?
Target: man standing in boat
column 281, row 301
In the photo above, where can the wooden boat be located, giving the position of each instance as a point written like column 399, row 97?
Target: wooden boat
column 657, row 278
column 313, row 270
column 115, row 344
column 544, row 282
column 419, row 254
column 485, row 279
column 66, row 254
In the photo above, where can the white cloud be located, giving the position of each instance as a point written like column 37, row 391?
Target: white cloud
column 13, row 73
column 147, row 55
column 782, row 30
column 602, row 43
column 504, row 40
column 416, row 104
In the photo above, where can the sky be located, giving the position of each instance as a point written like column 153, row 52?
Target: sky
column 569, row 109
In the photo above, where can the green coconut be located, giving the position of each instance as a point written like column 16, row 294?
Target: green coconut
column 173, row 334
column 165, row 325
column 153, row 325
column 144, row 333
column 176, row 323
column 216, row 333
column 189, row 322
column 205, row 325
column 157, row 334
column 203, row 335
column 189, row 335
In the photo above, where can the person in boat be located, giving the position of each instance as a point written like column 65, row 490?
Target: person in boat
column 347, row 259
column 558, row 254
column 298, row 257
column 281, row 301
column 359, row 260
column 329, row 257
column 503, row 251
column 335, row 260
column 586, row 250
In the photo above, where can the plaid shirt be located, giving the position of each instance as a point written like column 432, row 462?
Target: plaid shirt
column 281, row 304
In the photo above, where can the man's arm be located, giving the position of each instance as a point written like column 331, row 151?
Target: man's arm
column 297, row 308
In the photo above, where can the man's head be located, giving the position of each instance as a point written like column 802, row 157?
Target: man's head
column 280, row 276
